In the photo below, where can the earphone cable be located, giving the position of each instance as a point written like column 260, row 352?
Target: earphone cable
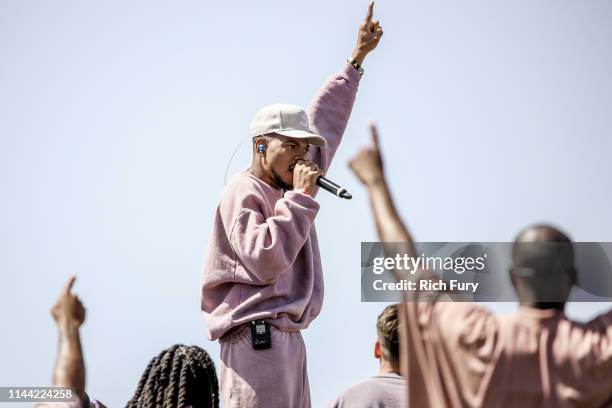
column 232, row 158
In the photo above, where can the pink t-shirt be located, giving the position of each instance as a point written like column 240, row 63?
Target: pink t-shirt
column 262, row 260
column 462, row 355
column 381, row 391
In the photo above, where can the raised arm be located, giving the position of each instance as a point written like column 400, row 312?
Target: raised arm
column 368, row 167
column 69, row 314
column 331, row 108
column 69, row 370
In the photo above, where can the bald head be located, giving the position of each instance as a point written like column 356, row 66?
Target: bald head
column 541, row 233
column 543, row 267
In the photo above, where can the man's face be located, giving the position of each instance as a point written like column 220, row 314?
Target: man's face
column 281, row 156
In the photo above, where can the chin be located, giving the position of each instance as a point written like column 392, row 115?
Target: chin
column 289, row 180
column 283, row 183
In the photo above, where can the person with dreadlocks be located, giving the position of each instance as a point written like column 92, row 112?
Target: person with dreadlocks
column 179, row 377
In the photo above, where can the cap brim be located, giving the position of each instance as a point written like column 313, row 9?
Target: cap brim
column 301, row 134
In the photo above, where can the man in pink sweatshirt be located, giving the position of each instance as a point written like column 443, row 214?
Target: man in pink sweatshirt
column 262, row 280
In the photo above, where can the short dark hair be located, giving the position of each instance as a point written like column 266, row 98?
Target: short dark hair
column 388, row 336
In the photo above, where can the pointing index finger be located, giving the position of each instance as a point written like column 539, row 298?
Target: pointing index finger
column 69, row 284
column 368, row 18
column 374, row 133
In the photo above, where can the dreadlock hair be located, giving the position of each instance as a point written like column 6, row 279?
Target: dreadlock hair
column 178, row 377
column 386, row 329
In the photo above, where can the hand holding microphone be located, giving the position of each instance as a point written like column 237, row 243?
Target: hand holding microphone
column 305, row 175
column 367, row 166
column 310, row 175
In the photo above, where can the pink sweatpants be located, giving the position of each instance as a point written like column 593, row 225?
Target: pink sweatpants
column 271, row 378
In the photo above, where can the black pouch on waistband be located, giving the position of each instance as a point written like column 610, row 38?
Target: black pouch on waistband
column 261, row 337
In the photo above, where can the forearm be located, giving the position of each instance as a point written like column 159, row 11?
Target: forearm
column 70, row 368
column 329, row 113
column 391, row 230
column 389, row 225
column 359, row 55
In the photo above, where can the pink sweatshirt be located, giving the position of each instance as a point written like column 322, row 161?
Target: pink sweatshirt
column 262, row 259
column 461, row 355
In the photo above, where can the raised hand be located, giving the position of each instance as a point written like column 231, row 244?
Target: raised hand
column 367, row 164
column 68, row 310
column 368, row 36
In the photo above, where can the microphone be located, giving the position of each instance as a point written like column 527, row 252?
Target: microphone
column 333, row 188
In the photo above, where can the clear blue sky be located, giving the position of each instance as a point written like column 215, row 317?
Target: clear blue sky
column 117, row 120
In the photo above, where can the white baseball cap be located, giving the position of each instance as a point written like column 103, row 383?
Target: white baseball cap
column 284, row 119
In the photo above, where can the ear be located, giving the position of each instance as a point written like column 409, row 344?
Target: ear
column 574, row 277
column 513, row 279
column 259, row 142
column 377, row 350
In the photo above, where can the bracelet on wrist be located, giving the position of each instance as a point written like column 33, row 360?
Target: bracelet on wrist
column 355, row 65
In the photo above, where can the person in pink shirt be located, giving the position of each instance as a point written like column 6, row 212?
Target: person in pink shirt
column 262, row 278
column 462, row 355
column 388, row 388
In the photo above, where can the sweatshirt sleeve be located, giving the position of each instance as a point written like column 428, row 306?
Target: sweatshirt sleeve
column 267, row 247
column 329, row 113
